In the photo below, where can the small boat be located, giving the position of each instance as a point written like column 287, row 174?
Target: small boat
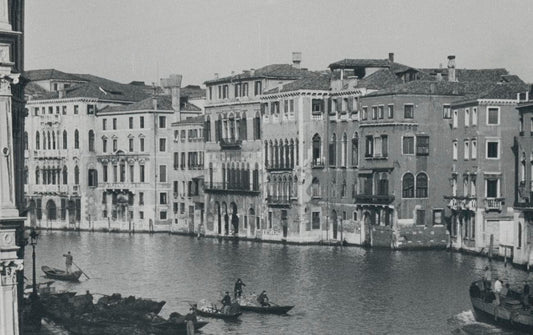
column 273, row 309
column 60, row 274
column 510, row 313
column 233, row 312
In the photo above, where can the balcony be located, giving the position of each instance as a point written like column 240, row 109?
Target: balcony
column 318, row 163
column 278, row 201
column 222, row 188
column 458, row 203
column 494, row 204
column 279, row 167
column 379, row 199
column 230, row 143
column 52, row 189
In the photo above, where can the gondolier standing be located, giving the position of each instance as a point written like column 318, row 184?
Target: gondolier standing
column 68, row 261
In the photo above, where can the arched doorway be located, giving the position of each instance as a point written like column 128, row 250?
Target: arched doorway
column 334, row 223
column 226, row 218
column 234, row 218
column 219, row 217
column 51, row 210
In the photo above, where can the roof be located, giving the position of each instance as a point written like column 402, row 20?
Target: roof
column 477, row 75
column 273, row 71
column 164, row 102
column 351, row 63
column 191, row 120
column 503, row 91
column 192, row 92
column 432, row 87
column 49, row 74
column 379, row 80
column 34, row 89
column 313, row 81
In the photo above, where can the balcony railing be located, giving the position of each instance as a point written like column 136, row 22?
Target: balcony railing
column 317, row 163
column 458, row 203
column 279, row 167
column 374, row 198
column 494, row 204
column 230, row 143
column 227, row 188
column 278, row 201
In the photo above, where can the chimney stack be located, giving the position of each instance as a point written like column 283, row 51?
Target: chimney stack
column 391, row 57
column 451, row 68
column 439, row 73
column 216, row 75
column 296, row 59
column 173, row 83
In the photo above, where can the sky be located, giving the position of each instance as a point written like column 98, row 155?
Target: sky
column 145, row 40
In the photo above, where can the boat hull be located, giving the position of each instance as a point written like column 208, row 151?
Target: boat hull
column 223, row 316
column 61, row 275
column 496, row 315
column 279, row 310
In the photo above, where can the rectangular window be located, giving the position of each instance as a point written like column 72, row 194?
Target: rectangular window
column 163, row 198
column 76, row 109
column 381, row 112
column 131, row 173
column 182, row 208
column 369, row 146
column 141, row 215
column 467, row 117
column 162, row 173
column 408, row 111
column 93, row 178
column 493, row 149
column 455, row 150
column 437, row 216
column 91, row 109
column 115, row 145
column 210, row 93
column 474, row 116
column 130, row 121
column 493, row 115
column 104, row 124
column 104, row 171
column 374, row 113
column 104, row 145
column 364, row 113
column 491, row 188
column 455, row 120
column 163, row 215
column 162, row 144
column 141, row 173
column 122, row 173
column 390, row 111
column 162, row 122
column 176, row 160
column 474, row 149
column 316, row 220
column 114, row 123
column 130, row 144
column 422, row 145
column 257, row 88
column 141, row 122
column 141, row 198
column 408, row 147
column 446, row 112
column 141, row 144
column 384, row 146
column 316, row 106
column 466, row 150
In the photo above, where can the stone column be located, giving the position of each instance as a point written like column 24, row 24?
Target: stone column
column 4, row 18
column 9, row 265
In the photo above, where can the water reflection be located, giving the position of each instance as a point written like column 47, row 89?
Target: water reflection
column 336, row 290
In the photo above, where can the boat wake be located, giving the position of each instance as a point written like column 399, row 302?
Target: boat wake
column 465, row 323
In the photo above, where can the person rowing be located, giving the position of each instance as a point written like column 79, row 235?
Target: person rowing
column 68, row 261
column 262, row 299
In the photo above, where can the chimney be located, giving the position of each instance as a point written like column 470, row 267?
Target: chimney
column 296, row 59
column 173, row 83
column 154, row 102
column 451, row 68
column 216, row 75
column 61, row 93
column 391, row 57
column 439, row 73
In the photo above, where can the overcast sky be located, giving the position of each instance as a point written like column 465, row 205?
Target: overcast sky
column 145, row 40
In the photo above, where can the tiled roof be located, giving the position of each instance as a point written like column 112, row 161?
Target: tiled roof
column 351, row 63
column 507, row 91
column 164, row 102
column 49, row 74
column 190, row 120
column 32, row 89
column 313, row 81
column 431, row 87
column 476, row 75
column 192, row 92
column 275, row 71
column 379, row 80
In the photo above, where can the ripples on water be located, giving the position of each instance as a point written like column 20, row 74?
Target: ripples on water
column 336, row 290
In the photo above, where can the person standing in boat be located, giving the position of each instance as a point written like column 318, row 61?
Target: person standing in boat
column 68, row 261
column 487, row 278
column 237, row 291
column 498, row 290
column 226, row 302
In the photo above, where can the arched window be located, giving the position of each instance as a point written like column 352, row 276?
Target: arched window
column 276, row 154
column 25, row 140
column 243, row 127
column 292, row 154
column 281, row 154
column 231, row 128
column 422, row 185
column 76, row 175
column 355, row 149
column 65, row 141
column 91, row 140
column 65, row 175
column 317, row 149
column 76, row 139
column 255, row 178
column 344, row 151
column 53, row 140
column 44, row 140
column 223, row 176
column 315, row 187
column 333, row 150
column 408, row 185
column 37, row 175
column 37, row 141
column 49, row 141
column 287, row 155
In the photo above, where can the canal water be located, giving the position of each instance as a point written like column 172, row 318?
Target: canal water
column 336, row 290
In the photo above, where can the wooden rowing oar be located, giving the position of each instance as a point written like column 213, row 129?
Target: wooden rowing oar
column 81, row 270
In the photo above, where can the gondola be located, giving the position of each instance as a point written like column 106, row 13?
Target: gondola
column 273, row 309
column 212, row 312
column 509, row 314
column 60, row 274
